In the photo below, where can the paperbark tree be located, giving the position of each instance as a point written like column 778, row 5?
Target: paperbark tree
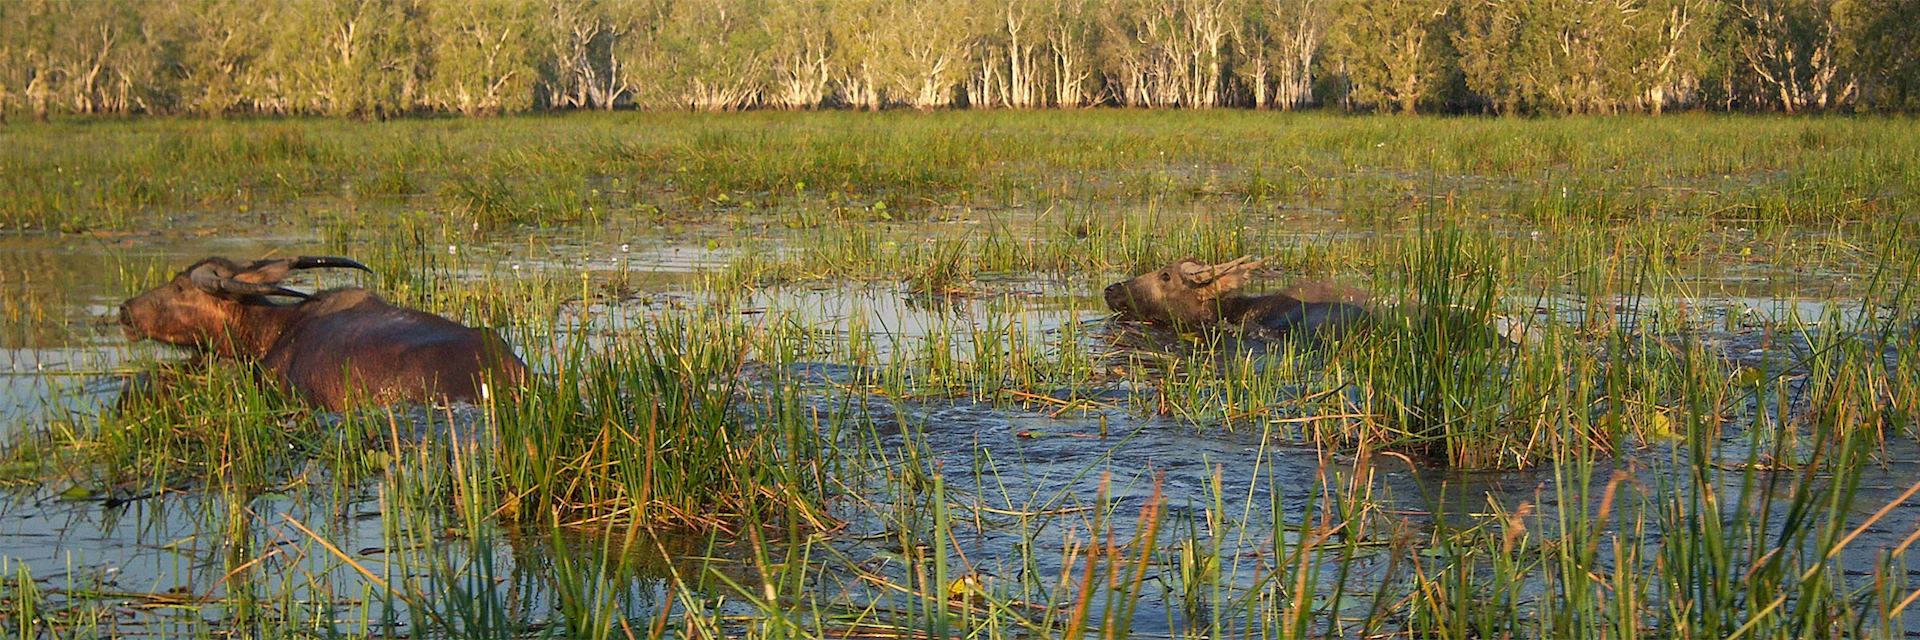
column 370, row 58
column 1070, row 45
column 1486, row 34
column 581, row 69
column 218, row 43
column 1010, row 55
column 860, row 47
column 1277, row 44
column 1670, row 61
column 1880, row 50
column 1790, row 48
column 706, row 55
column 482, row 57
column 340, row 58
column 1387, row 51
column 801, row 38
column 926, row 53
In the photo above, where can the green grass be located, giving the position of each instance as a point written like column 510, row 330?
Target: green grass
column 669, row 417
column 585, row 167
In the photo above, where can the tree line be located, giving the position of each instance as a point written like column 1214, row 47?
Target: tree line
column 378, row 58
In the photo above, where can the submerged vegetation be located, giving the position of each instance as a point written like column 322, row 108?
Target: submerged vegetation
column 835, row 374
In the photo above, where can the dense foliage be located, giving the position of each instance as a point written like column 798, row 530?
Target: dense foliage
column 374, row 58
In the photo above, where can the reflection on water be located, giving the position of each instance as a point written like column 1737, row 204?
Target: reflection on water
column 193, row 564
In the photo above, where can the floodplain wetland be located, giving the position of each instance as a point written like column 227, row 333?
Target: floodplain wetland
column 837, row 374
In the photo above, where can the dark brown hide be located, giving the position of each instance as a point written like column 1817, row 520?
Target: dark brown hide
column 1192, row 295
column 337, row 349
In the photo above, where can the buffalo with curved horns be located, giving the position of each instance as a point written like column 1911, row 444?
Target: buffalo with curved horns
column 336, row 348
column 1190, row 294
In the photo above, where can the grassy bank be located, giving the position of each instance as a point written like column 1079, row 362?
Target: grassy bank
column 552, row 170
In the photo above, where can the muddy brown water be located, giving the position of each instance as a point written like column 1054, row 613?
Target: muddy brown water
column 1023, row 481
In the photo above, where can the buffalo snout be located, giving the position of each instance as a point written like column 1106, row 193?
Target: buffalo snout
column 126, row 322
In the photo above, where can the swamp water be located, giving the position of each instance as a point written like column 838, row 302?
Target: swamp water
column 1028, row 488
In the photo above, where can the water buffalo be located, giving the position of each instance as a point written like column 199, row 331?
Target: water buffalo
column 1190, row 294
column 336, row 348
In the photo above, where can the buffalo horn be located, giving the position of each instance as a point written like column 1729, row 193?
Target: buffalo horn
column 321, row 262
column 1203, row 273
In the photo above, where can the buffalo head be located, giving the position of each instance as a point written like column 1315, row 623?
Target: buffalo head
column 1190, row 294
column 206, row 305
column 1186, row 293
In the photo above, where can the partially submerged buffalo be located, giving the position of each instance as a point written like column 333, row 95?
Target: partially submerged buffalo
column 336, row 348
column 1190, row 294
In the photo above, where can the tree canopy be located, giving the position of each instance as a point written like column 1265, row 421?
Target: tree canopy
column 377, row 58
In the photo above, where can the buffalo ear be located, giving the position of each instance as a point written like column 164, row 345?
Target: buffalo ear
column 219, row 278
column 1227, row 278
column 265, row 271
column 1195, row 272
column 209, row 274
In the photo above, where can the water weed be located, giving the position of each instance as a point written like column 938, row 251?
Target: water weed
column 816, row 375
